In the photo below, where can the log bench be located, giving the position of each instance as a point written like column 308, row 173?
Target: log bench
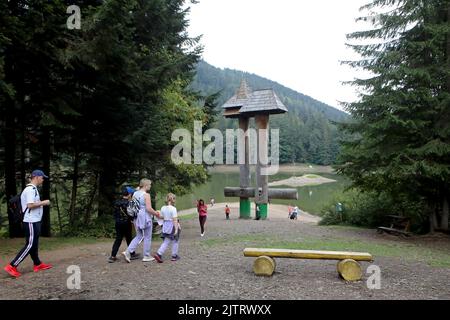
column 348, row 267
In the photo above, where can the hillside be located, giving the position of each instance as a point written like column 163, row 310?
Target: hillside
column 307, row 132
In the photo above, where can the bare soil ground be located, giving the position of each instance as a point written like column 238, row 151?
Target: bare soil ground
column 213, row 267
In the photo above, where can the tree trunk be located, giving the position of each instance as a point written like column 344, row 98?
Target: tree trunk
column 15, row 229
column 445, row 215
column 73, row 199
column 433, row 221
column 88, row 213
column 46, row 155
column 23, row 169
column 106, row 192
column 58, row 211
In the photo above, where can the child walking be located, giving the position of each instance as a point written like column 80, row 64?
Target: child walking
column 227, row 212
column 170, row 231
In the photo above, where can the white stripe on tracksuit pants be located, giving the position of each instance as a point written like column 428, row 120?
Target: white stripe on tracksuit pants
column 32, row 232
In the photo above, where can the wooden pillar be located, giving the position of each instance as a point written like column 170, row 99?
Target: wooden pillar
column 262, row 181
column 244, row 205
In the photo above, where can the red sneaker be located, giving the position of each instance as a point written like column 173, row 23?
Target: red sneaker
column 42, row 266
column 158, row 258
column 12, row 271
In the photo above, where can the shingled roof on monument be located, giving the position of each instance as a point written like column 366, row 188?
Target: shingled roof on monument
column 250, row 102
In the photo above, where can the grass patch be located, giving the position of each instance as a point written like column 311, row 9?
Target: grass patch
column 188, row 216
column 432, row 257
column 312, row 176
column 12, row 246
column 345, row 227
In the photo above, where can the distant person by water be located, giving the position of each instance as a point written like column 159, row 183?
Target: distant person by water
column 202, row 215
column 227, row 212
column 290, row 209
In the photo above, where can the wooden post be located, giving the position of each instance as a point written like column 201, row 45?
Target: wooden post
column 264, row 266
column 349, row 270
column 262, row 181
column 280, row 194
column 244, row 206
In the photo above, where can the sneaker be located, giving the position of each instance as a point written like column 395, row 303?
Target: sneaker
column 202, row 234
column 148, row 259
column 42, row 266
column 135, row 256
column 112, row 259
column 12, row 271
column 158, row 258
column 127, row 256
column 175, row 258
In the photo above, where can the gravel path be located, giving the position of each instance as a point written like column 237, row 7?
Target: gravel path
column 214, row 267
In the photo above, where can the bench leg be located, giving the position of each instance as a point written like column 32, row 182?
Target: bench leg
column 264, row 266
column 349, row 270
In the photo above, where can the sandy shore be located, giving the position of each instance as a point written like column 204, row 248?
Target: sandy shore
column 298, row 169
column 305, row 180
column 276, row 212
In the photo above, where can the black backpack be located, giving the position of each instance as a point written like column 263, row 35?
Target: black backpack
column 15, row 207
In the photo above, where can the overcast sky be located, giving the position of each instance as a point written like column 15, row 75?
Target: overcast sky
column 297, row 43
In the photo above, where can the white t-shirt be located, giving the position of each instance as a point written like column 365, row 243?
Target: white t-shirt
column 169, row 212
column 31, row 195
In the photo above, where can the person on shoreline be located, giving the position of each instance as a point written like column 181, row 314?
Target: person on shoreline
column 32, row 207
column 123, row 224
column 290, row 208
column 171, row 230
column 227, row 212
column 143, row 223
column 202, row 215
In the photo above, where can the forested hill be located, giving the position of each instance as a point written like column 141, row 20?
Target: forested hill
column 211, row 79
column 306, row 133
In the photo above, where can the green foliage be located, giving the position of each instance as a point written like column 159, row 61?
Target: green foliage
column 399, row 142
column 101, row 227
column 102, row 101
column 369, row 209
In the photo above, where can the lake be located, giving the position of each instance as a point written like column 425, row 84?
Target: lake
column 311, row 198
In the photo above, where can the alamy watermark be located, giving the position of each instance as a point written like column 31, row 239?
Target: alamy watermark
column 374, row 281
column 215, row 153
column 74, row 280
column 74, row 20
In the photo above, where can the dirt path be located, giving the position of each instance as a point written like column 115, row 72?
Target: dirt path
column 214, row 267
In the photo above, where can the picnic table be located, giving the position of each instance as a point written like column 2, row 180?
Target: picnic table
column 399, row 225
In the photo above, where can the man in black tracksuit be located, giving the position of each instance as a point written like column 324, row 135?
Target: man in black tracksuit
column 124, row 224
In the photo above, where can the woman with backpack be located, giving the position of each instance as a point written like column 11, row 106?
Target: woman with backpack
column 143, row 222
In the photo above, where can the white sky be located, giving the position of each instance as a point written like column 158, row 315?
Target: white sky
column 297, row 43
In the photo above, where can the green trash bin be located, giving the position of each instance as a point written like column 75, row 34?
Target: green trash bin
column 340, row 210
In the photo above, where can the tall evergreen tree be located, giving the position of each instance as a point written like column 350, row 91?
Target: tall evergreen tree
column 400, row 142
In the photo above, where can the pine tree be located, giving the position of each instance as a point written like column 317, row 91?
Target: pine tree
column 400, row 142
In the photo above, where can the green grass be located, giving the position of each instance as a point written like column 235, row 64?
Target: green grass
column 312, row 176
column 431, row 256
column 12, row 246
column 188, row 216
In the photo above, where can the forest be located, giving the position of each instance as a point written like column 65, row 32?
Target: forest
column 95, row 107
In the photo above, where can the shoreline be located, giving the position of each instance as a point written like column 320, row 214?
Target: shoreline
column 276, row 212
column 285, row 168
